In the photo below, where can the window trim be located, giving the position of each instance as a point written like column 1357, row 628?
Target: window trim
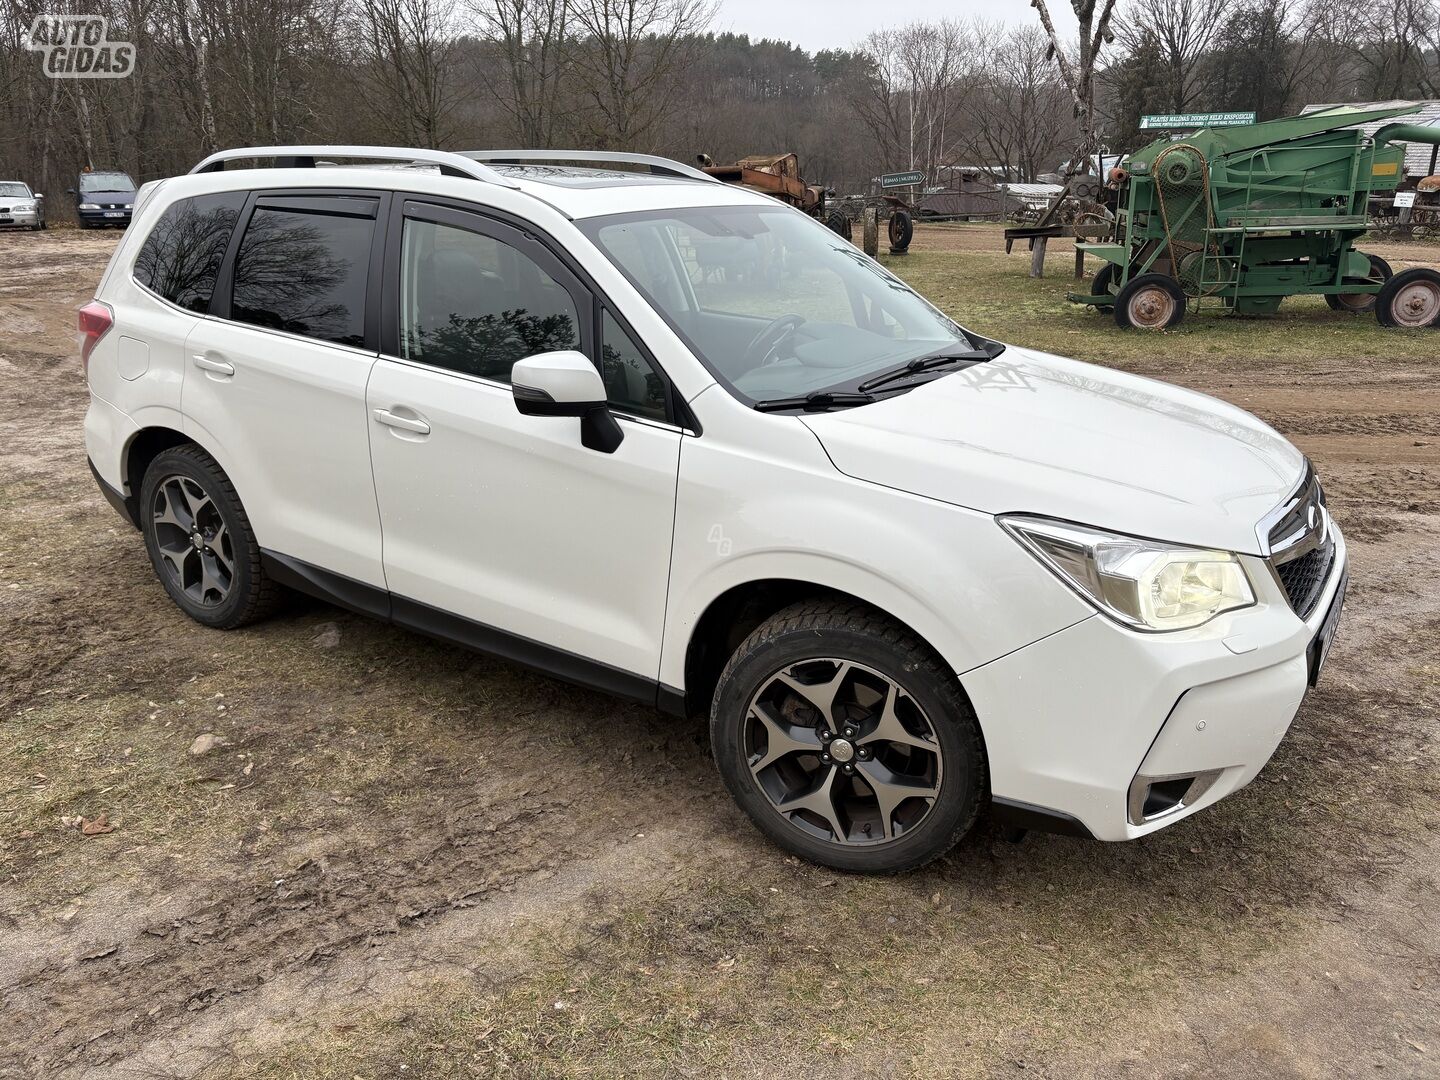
column 467, row 215
column 221, row 302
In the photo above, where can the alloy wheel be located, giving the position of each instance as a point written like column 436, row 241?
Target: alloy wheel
column 193, row 541
column 843, row 752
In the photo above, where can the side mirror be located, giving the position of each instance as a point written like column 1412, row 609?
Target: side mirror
column 566, row 383
column 37, row 194
column 69, row 191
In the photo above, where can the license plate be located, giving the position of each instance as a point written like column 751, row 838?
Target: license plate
column 114, row 213
column 1325, row 637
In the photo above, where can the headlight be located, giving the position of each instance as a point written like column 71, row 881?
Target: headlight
column 89, row 206
column 1144, row 584
column 24, row 207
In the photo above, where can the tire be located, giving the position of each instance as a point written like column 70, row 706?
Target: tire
column 901, row 230
column 216, row 579
column 1361, row 303
column 1410, row 299
column 1150, row 302
column 929, row 739
column 838, row 223
column 1103, row 282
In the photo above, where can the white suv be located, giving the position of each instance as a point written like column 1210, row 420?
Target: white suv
column 673, row 440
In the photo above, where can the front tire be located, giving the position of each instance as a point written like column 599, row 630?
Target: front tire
column 1150, row 302
column 200, row 541
column 846, row 739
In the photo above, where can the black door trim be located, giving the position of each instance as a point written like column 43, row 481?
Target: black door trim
column 412, row 615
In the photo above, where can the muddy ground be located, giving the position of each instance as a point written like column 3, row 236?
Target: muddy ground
column 406, row 860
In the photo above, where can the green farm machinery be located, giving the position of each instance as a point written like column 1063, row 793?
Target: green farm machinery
column 1250, row 215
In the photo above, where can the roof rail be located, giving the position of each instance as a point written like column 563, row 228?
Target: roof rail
column 660, row 166
column 303, row 157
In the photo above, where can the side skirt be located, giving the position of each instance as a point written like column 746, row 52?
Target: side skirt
column 412, row 615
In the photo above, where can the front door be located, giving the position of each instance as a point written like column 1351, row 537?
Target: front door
column 499, row 528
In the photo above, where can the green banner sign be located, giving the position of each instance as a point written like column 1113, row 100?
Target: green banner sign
column 901, row 179
column 1164, row 121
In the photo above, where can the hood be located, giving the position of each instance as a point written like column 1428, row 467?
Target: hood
column 109, row 195
column 1033, row 433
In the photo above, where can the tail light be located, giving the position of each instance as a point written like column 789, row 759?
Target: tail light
column 96, row 318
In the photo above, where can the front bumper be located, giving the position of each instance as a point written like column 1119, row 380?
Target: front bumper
column 104, row 217
column 26, row 218
column 1092, row 723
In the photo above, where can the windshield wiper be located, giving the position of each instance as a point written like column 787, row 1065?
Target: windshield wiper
column 922, row 363
column 816, row 400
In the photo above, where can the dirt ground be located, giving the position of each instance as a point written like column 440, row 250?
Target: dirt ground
column 401, row 859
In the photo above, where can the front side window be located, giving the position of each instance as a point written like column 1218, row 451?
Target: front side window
column 181, row 257
column 772, row 302
column 303, row 267
column 631, row 383
column 474, row 304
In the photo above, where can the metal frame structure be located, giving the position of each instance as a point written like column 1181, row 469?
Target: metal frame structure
column 658, row 166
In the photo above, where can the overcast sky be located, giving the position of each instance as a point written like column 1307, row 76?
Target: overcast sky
column 841, row 23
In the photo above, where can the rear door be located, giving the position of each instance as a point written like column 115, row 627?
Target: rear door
column 275, row 378
column 550, row 553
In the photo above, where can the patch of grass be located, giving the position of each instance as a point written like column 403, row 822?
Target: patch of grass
column 993, row 294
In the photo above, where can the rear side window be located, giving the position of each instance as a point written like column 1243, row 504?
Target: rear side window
column 181, row 257
column 303, row 267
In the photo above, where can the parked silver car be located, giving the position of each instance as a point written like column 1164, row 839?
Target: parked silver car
column 19, row 206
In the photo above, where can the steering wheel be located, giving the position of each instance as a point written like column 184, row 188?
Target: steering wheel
column 763, row 346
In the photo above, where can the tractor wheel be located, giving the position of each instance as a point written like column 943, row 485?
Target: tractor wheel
column 1150, row 302
column 1104, row 281
column 839, row 223
column 1410, row 299
column 1359, row 303
column 901, row 229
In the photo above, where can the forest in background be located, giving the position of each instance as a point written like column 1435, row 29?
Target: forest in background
column 650, row 75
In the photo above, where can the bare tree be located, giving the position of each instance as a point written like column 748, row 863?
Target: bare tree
column 405, row 49
column 1016, row 112
column 630, row 51
column 530, row 37
column 1078, row 70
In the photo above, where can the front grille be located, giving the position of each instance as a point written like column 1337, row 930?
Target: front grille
column 1301, row 550
column 1304, row 578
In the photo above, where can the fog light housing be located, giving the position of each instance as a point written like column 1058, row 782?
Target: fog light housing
column 1155, row 797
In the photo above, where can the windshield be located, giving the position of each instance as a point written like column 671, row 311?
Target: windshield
column 12, row 190
column 773, row 303
column 106, row 181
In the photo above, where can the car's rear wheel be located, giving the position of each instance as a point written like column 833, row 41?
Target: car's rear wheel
column 200, row 541
column 846, row 740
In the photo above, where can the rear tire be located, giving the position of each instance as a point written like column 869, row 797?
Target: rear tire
column 1103, row 283
column 1150, row 302
column 1361, row 303
column 1410, row 299
column 200, row 541
column 885, row 777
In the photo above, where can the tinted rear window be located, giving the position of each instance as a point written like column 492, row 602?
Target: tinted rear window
column 181, row 257
column 303, row 267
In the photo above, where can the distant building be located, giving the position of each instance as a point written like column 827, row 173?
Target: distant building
column 1420, row 158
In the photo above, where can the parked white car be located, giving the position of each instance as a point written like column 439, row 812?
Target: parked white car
column 676, row 441
column 19, row 206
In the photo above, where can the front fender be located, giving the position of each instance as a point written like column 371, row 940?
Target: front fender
column 952, row 575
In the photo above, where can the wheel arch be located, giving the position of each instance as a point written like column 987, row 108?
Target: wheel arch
column 730, row 617
column 142, row 448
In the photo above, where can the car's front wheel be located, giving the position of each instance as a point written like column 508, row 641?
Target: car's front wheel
column 846, row 740
column 200, row 541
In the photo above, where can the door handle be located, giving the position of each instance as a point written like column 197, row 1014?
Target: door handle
column 220, row 367
column 404, row 423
